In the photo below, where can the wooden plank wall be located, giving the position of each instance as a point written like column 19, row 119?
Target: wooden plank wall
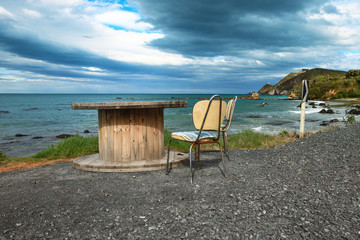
column 131, row 134
column 102, row 135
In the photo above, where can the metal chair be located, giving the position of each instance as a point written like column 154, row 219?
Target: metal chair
column 207, row 118
column 225, row 127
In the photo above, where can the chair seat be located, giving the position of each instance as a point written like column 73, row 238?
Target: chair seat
column 192, row 136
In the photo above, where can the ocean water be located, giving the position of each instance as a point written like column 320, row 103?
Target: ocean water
column 41, row 117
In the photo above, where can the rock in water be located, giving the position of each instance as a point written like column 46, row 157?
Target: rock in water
column 254, row 96
column 354, row 111
column 324, row 123
column 37, row 137
column 31, row 109
column 20, row 135
column 63, row 136
column 330, row 111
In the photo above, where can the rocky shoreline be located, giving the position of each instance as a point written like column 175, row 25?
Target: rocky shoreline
column 308, row 189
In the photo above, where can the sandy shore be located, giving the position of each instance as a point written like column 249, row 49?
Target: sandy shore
column 308, row 189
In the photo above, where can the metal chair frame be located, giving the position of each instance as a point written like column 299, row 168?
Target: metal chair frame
column 226, row 127
column 199, row 141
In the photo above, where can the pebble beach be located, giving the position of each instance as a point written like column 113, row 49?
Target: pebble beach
column 307, row 189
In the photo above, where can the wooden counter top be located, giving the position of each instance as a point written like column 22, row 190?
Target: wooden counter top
column 130, row 105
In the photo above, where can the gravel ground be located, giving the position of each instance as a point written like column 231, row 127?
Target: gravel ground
column 308, row 189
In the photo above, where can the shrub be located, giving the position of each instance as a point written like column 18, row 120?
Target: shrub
column 315, row 92
column 2, row 156
column 350, row 119
column 352, row 73
column 339, row 95
column 347, row 84
column 353, row 94
column 284, row 133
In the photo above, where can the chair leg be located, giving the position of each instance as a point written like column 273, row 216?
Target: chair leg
column 198, row 156
column 196, row 152
column 224, row 141
column 226, row 145
column 223, row 161
column 191, row 172
column 168, row 156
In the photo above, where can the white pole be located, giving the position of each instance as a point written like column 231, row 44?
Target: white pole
column 302, row 119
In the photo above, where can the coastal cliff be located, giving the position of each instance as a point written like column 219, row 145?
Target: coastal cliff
column 324, row 84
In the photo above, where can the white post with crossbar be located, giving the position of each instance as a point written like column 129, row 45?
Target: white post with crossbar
column 304, row 98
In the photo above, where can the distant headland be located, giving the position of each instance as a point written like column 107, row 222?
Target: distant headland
column 324, row 84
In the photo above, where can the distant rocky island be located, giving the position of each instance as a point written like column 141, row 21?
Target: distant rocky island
column 324, row 84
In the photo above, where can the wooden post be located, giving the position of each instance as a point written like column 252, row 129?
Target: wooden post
column 302, row 119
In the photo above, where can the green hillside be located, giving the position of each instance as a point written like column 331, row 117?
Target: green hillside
column 324, row 84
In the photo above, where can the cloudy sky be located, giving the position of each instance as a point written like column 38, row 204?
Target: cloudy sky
column 171, row 46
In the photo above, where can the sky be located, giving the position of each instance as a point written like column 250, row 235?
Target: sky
column 171, row 46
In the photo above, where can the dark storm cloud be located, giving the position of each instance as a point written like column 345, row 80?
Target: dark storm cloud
column 210, row 28
column 32, row 47
column 220, row 46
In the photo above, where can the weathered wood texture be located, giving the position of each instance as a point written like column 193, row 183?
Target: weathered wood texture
column 94, row 164
column 127, row 135
column 130, row 105
column 131, row 131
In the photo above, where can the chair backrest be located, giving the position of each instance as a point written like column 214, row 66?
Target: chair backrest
column 212, row 118
column 229, row 112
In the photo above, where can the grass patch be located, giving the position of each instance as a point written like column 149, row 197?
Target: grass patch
column 77, row 146
column 247, row 139
column 72, row 147
column 66, row 150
